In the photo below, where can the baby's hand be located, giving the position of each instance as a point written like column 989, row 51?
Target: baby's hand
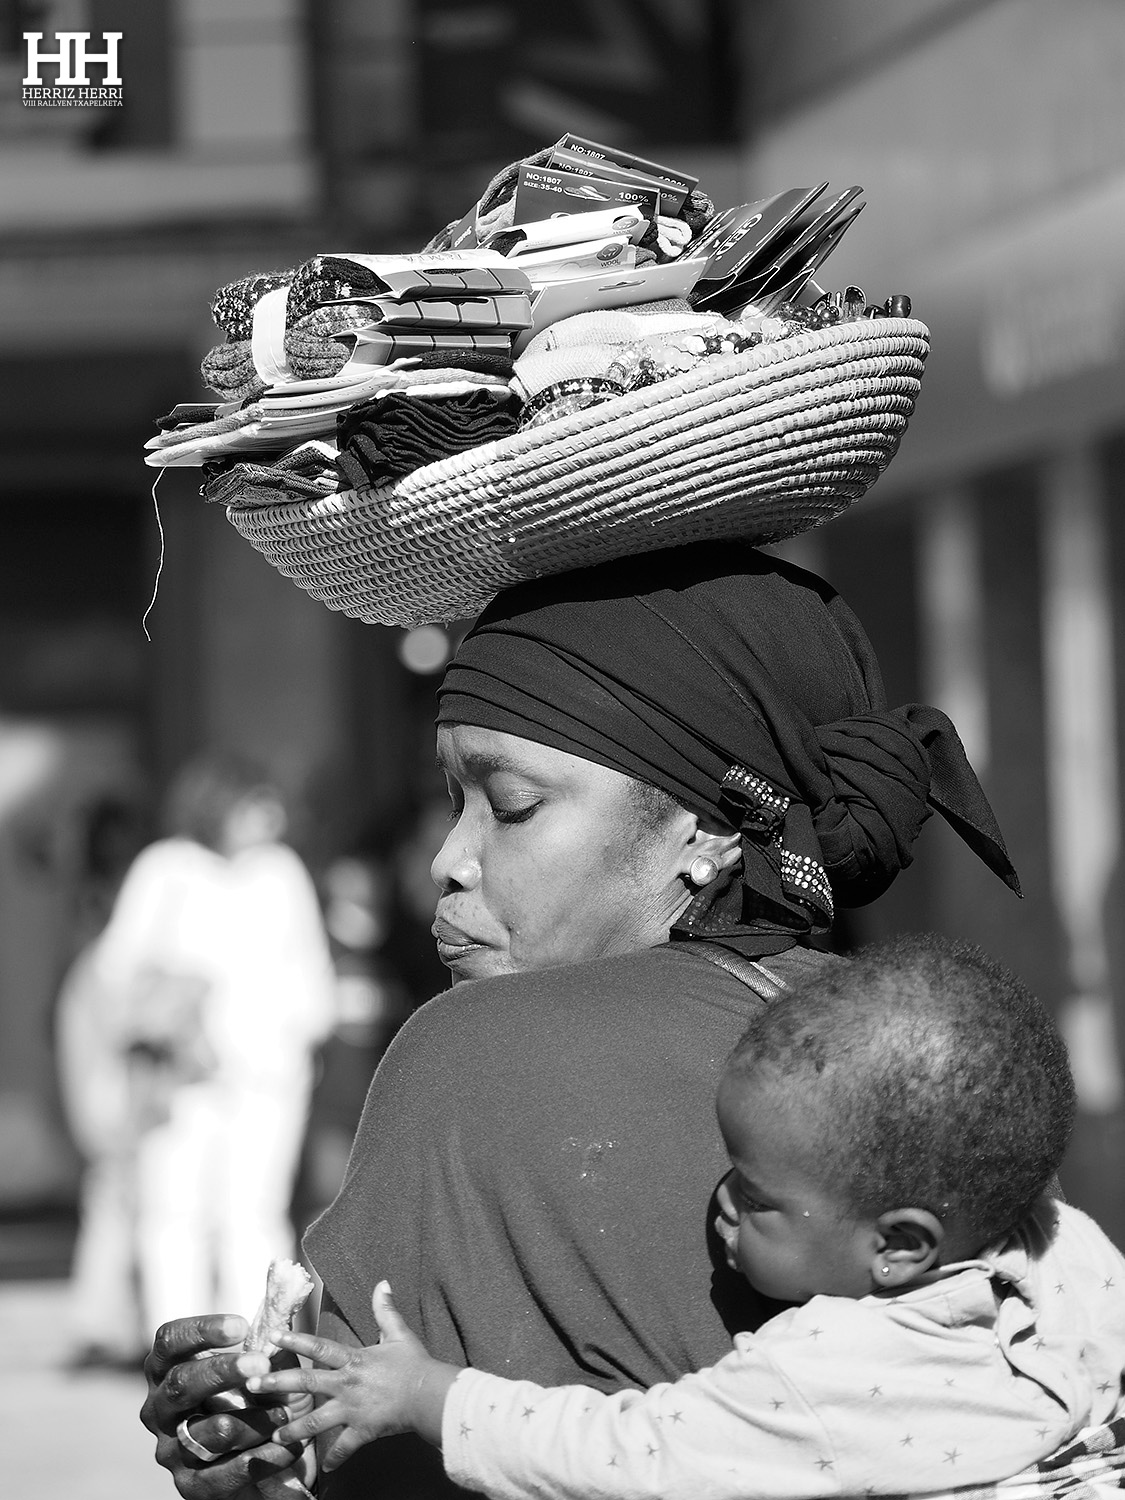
column 392, row 1386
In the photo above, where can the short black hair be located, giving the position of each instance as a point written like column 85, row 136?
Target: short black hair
column 944, row 1083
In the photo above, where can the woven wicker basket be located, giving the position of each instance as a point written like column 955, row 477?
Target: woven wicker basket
column 758, row 446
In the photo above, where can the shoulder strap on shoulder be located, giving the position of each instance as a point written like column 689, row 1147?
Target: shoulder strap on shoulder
column 754, row 975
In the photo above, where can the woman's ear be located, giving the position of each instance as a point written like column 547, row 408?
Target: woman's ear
column 724, row 850
column 908, row 1245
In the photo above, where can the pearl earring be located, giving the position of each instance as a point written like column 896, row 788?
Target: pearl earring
column 703, row 870
column 886, row 1270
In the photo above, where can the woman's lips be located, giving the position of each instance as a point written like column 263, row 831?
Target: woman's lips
column 452, row 943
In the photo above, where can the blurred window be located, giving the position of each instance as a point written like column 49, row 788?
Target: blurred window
column 501, row 78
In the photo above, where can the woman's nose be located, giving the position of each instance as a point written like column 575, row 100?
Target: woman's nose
column 455, row 867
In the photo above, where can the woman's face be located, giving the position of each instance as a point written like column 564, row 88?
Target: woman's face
column 548, row 861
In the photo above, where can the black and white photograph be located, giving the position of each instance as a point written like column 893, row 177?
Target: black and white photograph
column 562, row 749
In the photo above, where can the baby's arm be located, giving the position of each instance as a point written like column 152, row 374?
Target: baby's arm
column 393, row 1386
column 737, row 1428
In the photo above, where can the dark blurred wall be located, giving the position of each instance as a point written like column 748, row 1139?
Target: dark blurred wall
column 419, row 101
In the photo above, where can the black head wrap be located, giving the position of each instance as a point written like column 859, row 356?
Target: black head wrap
column 747, row 690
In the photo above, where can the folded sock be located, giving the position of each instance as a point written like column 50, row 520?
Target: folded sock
column 306, row 473
column 233, row 305
column 480, row 361
column 229, row 371
column 327, row 278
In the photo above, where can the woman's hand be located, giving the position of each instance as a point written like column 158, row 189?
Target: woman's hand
column 195, row 1389
column 393, row 1386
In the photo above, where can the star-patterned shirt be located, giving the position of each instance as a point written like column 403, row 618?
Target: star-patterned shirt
column 968, row 1377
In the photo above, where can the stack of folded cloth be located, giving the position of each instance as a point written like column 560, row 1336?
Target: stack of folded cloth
column 380, row 439
column 308, row 324
column 406, row 359
column 353, row 370
column 308, row 472
column 285, row 415
column 432, row 327
column 392, row 435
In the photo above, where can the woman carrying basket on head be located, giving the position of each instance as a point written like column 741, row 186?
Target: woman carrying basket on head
column 653, row 762
column 666, row 771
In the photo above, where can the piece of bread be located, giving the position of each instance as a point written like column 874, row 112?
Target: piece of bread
column 287, row 1290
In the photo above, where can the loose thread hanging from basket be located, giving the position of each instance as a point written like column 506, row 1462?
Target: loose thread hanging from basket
column 159, row 560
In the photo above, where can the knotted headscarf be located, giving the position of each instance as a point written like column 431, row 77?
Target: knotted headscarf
column 746, row 689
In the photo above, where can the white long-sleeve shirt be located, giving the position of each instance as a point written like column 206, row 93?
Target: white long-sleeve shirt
column 985, row 1368
column 251, row 927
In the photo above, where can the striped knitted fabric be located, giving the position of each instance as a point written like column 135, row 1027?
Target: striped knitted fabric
column 1089, row 1467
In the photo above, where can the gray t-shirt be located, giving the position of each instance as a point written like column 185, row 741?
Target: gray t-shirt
column 533, row 1175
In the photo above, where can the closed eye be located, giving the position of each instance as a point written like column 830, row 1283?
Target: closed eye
column 514, row 814
column 748, row 1203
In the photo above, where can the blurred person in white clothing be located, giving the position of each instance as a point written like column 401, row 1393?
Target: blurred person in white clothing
column 217, row 947
column 95, row 1092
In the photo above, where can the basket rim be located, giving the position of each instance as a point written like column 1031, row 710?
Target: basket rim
column 788, row 435
column 779, row 360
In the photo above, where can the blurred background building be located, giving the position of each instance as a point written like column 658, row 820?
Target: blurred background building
column 988, row 564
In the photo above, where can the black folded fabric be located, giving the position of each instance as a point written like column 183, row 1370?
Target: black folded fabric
column 478, row 361
column 187, row 414
column 389, row 436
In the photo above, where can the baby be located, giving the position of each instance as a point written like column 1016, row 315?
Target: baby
column 892, row 1130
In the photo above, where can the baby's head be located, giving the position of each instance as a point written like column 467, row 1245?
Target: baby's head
column 903, row 1111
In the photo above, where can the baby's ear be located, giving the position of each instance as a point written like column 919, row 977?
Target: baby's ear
column 908, row 1245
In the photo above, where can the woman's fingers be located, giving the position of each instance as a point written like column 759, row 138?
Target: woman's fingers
column 184, row 1338
column 196, row 1338
column 195, row 1376
column 230, row 1478
column 186, row 1374
column 391, row 1323
column 224, row 1433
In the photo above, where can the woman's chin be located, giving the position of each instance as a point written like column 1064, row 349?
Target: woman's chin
column 472, row 962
